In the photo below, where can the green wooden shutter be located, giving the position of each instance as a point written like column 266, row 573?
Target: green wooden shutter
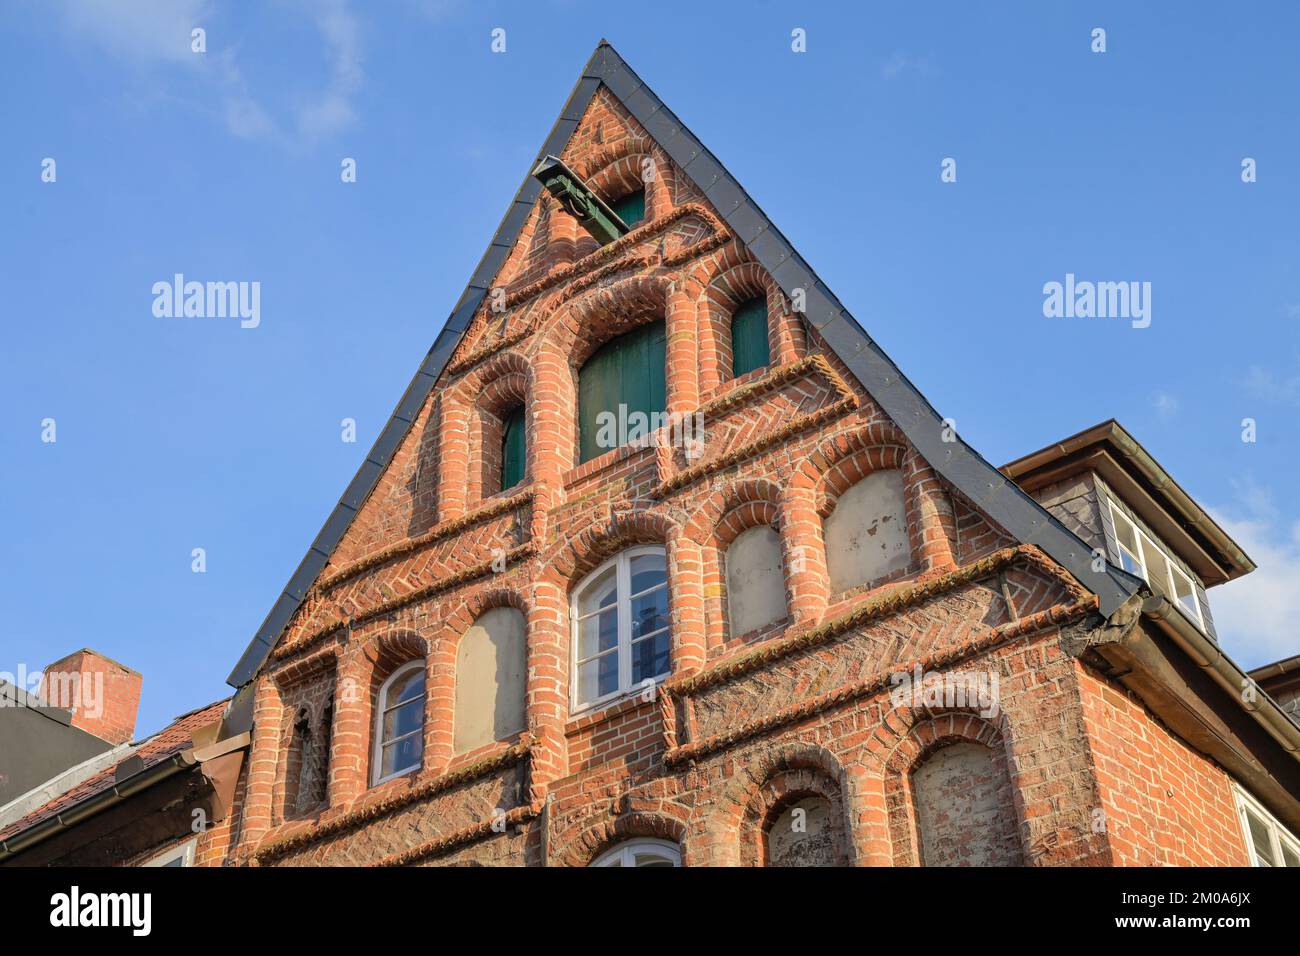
column 627, row 371
column 631, row 208
column 749, row 337
column 513, row 448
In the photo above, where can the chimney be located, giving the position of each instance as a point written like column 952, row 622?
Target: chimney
column 102, row 695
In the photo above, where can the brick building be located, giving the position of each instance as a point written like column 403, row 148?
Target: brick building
column 661, row 560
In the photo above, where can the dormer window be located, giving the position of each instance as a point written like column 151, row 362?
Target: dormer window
column 631, row 208
column 1140, row 555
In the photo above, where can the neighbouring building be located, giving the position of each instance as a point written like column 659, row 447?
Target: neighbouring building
column 83, row 792
column 660, row 561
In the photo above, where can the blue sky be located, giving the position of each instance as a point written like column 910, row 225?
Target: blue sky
column 175, row 434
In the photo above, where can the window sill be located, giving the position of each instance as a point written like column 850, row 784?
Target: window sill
column 609, row 459
column 593, row 714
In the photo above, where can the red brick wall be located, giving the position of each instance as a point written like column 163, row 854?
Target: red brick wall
column 741, row 729
column 104, row 696
column 1163, row 804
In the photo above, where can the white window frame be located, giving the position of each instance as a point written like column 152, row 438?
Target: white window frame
column 184, row 853
column 1279, row 834
column 1169, row 588
column 625, row 853
column 381, row 708
column 623, row 649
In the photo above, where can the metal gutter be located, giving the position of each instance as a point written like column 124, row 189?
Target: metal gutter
column 1210, row 657
column 106, row 799
column 1276, row 669
column 1111, row 432
column 96, row 804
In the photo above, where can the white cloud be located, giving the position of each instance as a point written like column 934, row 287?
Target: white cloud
column 1257, row 615
column 143, row 30
column 1266, row 384
column 900, row 63
column 155, row 35
column 332, row 111
column 1166, row 405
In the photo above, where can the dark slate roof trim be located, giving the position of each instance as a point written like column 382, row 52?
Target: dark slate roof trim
column 961, row 465
column 399, row 424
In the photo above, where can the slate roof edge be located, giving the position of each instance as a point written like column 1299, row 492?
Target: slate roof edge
column 404, row 415
column 961, row 465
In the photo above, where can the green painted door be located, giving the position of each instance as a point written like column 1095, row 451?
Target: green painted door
column 631, row 208
column 749, row 337
column 513, row 448
column 627, row 371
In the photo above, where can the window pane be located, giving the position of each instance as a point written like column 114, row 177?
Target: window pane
column 404, row 719
column 598, row 678
column 1125, row 533
column 1129, row 563
column 652, row 858
column 650, row 658
column 1262, row 839
column 402, row 755
column 597, row 633
column 631, row 208
column 602, row 592
column 1157, row 566
column 512, row 448
column 749, row 337
column 647, row 570
column 1186, row 593
column 406, row 688
column 1289, row 856
column 649, row 613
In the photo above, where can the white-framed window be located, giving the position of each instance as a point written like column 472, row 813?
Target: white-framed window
column 1269, row 843
column 641, row 853
column 1140, row 555
column 620, row 627
column 399, row 724
column 182, row 855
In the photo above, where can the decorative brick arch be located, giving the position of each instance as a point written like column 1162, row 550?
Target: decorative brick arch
column 725, row 293
column 816, row 485
column 440, row 735
column 587, row 844
column 304, row 728
column 780, row 791
column 373, row 662
column 715, row 524
column 616, row 169
column 904, row 743
column 567, row 561
column 772, row 778
column 715, row 288
column 470, row 429
column 567, row 339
